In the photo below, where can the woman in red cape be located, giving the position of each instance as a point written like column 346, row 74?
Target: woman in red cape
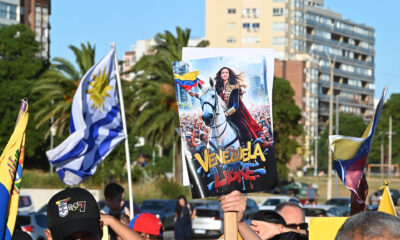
column 229, row 87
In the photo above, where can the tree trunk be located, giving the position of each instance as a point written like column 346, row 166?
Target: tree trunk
column 178, row 162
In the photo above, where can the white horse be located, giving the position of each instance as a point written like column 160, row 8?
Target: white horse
column 223, row 136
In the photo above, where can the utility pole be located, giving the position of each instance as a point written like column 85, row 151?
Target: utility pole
column 316, row 150
column 332, row 66
column 390, row 145
column 382, row 158
column 390, row 133
column 337, row 133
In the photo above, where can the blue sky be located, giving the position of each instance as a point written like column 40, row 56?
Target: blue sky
column 124, row 22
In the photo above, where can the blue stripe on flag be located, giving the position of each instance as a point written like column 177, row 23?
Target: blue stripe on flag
column 4, row 202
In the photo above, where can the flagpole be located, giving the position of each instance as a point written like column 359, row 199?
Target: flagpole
column 128, row 161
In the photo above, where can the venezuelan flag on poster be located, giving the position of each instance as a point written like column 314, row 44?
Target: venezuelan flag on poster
column 11, row 163
column 188, row 80
column 350, row 153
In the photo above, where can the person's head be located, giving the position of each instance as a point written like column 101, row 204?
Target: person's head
column 267, row 223
column 370, row 225
column 182, row 201
column 114, row 195
column 225, row 73
column 293, row 215
column 147, row 225
column 73, row 214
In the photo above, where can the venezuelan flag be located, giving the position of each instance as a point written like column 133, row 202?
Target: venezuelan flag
column 188, row 80
column 350, row 153
column 11, row 163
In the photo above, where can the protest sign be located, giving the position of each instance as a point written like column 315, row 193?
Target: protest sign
column 225, row 124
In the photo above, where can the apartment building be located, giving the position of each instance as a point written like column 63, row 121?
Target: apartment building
column 304, row 31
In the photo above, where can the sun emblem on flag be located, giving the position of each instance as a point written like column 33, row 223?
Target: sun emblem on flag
column 99, row 89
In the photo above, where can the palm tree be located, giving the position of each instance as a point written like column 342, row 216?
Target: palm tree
column 154, row 107
column 58, row 85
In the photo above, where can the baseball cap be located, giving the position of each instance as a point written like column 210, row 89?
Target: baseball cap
column 269, row 216
column 73, row 210
column 146, row 223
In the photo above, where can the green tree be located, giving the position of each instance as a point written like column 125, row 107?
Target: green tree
column 58, row 85
column 17, row 53
column 19, row 68
column 286, row 117
column 391, row 108
column 154, row 108
column 349, row 125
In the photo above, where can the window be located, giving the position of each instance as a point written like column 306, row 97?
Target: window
column 231, row 25
column 13, row 12
column 246, row 12
column 231, row 10
column 3, row 10
column 250, row 39
column 246, row 26
column 256, row 12
column 255, row 26
column 277, row 11
column 278, row 41
column 231, row 40
column 279, row 26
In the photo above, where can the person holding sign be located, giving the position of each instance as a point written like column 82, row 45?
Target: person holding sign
column 270, row 225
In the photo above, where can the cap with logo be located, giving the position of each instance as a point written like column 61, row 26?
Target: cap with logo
column 146, row 223
column 73, row 210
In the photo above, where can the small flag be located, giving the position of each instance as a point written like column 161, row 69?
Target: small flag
column 386, row 204
column 11, row 164
column 325, row 227
column 188, row 80
column 95, row 125
column 350, row 153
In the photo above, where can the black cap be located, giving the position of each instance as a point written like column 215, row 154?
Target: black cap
column 73, row 210
column 269, row 216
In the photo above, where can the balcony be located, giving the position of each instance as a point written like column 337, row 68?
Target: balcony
column 347, row 101
column 322, row 54
column 332, row 27
column 335, row 43
column 343, row 86
column 342, row 73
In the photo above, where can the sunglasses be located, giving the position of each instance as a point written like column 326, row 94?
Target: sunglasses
column 303, row 226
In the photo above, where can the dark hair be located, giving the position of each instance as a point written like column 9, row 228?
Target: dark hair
column 178, row 207
column 370, row 225
column 219, row 83
column 112, row 190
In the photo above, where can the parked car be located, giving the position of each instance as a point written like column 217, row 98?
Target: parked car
column 164, row 209
column 339, row 201
column 311, row 211
column 251, row 208
column 208, row 222
column 25, row 203
column 33, row 223
column 393, row 192
column 136, row 207
column 199, row 202
column 271, row 202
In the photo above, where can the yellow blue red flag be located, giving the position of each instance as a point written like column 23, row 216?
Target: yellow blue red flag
column 386, row 204
column 188, row 80
column 11, row 163
column 350, row 153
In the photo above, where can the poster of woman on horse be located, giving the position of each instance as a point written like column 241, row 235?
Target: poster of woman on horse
column 225, row 124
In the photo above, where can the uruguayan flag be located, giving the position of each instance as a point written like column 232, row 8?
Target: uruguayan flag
column 95, row 125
